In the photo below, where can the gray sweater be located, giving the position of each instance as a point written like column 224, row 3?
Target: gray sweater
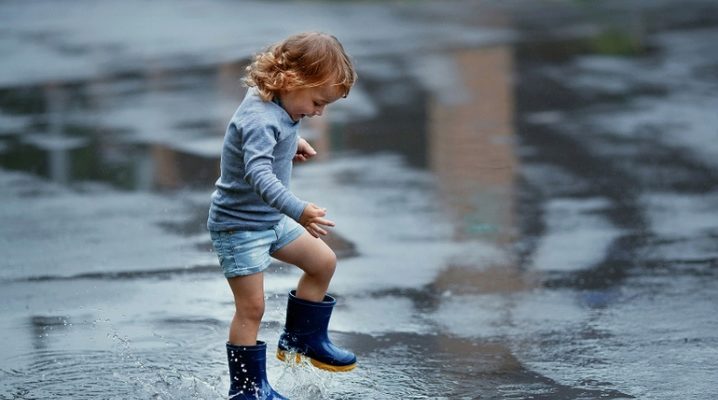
column 253, row 188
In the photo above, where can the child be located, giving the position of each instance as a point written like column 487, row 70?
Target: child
column 254, row 215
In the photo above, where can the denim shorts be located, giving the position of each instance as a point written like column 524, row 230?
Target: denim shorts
column 243, row 253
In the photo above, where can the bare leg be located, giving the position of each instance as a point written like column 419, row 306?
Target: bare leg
column 316, row 259
column 249, row 308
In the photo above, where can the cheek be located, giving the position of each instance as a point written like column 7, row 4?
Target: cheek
column 298, row 108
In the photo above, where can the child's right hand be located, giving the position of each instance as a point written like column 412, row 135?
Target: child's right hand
column 312, row 220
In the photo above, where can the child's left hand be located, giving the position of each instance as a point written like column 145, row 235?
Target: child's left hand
column 305, row 151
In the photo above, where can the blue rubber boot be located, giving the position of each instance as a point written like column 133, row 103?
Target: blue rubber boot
column 305, row 334
column 248, row 373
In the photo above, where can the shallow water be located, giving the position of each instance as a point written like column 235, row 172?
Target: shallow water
column 524, row 195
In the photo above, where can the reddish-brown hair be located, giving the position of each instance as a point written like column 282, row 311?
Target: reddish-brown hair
column 304, row 60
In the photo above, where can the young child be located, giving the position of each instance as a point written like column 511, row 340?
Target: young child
column 254, row 215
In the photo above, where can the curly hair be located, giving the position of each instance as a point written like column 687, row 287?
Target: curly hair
column 304, row 60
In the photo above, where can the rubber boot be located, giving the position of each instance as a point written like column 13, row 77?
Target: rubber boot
column 248, row 373
column 305, row 333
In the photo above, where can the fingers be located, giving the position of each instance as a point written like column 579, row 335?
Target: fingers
column 313, row 220
column 311, row 231
column 323, row 221
column 316, row 226
column 316, row 230
column 304, row 151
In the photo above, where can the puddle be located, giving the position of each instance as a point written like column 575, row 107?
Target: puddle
column 522, row 195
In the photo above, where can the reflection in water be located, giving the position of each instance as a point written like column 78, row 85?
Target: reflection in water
column 43, row 326
column 174, row 169
column 471, row 145
column 59, row 162
column 197, row 164
column 472, row 154
column 157, row 130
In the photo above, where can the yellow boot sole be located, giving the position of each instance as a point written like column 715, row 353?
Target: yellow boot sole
column 284, row 355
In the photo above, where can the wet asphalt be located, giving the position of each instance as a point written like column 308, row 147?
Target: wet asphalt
column 524, row 192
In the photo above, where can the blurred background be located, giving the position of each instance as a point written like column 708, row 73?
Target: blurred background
column 525, row 194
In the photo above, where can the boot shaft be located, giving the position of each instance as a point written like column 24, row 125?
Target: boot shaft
column 242, row 357
column 304, row 316
column 248, row 372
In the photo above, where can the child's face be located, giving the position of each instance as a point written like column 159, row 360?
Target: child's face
column 308, row 102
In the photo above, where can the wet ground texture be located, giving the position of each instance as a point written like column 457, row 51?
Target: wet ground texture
column 524, row 192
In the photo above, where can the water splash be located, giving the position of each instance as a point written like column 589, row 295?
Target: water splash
column 299, row 379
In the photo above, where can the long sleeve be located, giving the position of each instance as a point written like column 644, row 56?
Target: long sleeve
column 258, row 144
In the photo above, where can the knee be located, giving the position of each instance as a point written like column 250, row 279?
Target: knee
column 322, row 266
column 250, row 309
column 328, row 264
